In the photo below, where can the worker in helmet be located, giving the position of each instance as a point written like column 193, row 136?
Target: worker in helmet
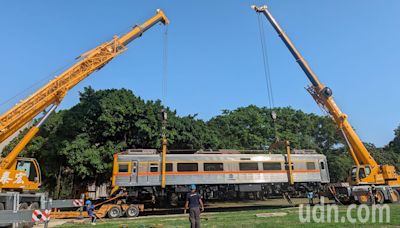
column 90, row 211
column 195, row 206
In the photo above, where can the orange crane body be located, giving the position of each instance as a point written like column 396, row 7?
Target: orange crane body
column 366, row 170
column 23, row 174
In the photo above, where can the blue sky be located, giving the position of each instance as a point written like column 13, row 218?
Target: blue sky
column 214, row 59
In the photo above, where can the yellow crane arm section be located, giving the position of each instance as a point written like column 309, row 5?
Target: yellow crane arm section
column 323, row 96
column 55, row 90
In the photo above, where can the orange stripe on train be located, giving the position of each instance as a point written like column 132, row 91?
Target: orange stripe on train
column 224, row 172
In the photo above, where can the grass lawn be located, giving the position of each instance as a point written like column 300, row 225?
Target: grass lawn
column 246, row 219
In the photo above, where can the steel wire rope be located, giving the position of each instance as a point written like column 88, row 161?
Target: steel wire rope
column 267, row 75
column 36, row 85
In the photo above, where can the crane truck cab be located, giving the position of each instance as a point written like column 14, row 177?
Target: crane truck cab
column 358, row 174
column 24, row 174
column 380, row 174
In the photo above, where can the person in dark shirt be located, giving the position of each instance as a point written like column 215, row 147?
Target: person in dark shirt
column 194, row 204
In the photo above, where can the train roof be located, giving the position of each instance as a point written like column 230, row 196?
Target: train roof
column 208, row 152
column 154, row 155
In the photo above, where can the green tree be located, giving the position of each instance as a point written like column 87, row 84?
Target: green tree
column 75, row 146
column 394, row 145
column 253, row 128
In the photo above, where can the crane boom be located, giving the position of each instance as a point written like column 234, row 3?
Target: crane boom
column 323, row 96
column 51, row 94
column 55, row 90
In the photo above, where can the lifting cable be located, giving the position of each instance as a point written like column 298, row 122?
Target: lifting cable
column 164, row 82
column 164, row 111
column 165, row 66
column 267, row 74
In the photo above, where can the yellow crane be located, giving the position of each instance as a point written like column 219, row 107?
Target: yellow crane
column 366, row 175
column 23, row 174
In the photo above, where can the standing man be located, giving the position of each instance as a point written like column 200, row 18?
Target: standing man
column 310, row 196
column 194, row 203
column 90, row 211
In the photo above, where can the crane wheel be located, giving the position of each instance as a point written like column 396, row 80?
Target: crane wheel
column 379, row 197
column 132, row 211
column 394, row 196
column 364, row 199
column 114, row 212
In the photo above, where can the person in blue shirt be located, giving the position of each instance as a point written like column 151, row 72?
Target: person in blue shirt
column 310, row 196
column 194, row 204
column 90, row 211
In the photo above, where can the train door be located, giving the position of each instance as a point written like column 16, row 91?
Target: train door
column 323, row 171
column 134, row 172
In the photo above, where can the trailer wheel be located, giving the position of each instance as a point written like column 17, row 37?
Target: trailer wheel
column 394, row 196
column 132, row 211
column 114, row 212
column 364, row 199
column 379, row 197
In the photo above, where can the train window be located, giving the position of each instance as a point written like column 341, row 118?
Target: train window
column 310, row 165
column 322, row 165
column 187, row 167
column 272, row 166
column 168, row 167
column 213, row 167
column 153, row 167
column 123, row 168
column 248, row 166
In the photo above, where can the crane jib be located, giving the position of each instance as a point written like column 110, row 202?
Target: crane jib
column 141, row 31
column 323, row 96
column 53, row 92
column 296, row 54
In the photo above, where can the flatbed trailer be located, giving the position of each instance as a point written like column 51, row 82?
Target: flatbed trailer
column 105, row 210
column 113, row 207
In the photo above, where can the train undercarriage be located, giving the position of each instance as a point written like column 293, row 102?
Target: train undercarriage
column 176, row 195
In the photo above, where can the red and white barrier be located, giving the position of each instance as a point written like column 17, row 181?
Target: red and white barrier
column 78, row 202
column 40, row 216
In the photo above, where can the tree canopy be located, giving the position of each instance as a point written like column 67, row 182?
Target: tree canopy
column 76, row 145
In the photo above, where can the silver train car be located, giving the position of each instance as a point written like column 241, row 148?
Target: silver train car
column 217, row 175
